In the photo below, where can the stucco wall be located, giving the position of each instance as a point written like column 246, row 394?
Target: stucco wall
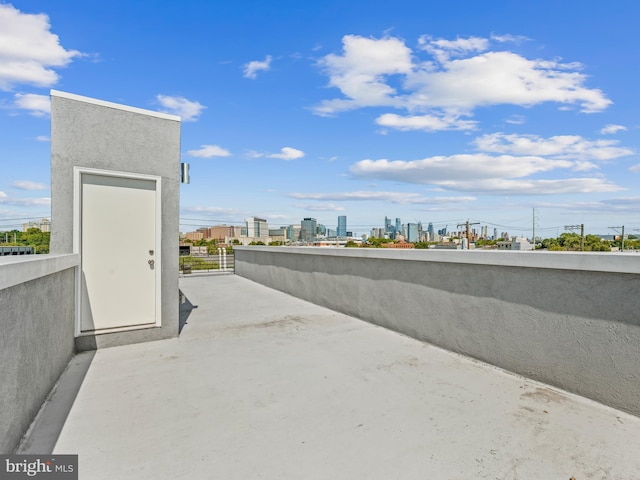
column 95, row 134
column 568, row 320
column 36, row 343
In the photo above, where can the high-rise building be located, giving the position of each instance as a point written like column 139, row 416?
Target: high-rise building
column 257, row 227
column 44, row 225
column 377, row 232
column 293, row 233
column 430, row 230
column 398, row 225
column 308, row 228
column 389, row 228
column 342, row 226
column 412, row 232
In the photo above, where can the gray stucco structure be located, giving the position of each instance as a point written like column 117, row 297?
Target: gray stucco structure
column 37, row 305
column 569, row 320
column 94, row 134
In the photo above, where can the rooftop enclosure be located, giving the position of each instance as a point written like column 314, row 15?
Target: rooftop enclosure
column 102, row 140
column 109, row 163
column 569, row 320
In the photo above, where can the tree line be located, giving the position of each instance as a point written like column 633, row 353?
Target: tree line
column 33, row 237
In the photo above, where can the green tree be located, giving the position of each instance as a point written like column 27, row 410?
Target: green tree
column 596, row 244
column 569, row 241
column 351, row 244
column 377, row 242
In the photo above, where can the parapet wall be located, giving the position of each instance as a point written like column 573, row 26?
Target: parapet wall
column 37, row 313
column 569, row 320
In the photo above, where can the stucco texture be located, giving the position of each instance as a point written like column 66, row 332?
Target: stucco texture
column 575, row 329
column 36, row 319
column 90, row 135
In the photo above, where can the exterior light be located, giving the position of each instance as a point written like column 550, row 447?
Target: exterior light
column 184, row 172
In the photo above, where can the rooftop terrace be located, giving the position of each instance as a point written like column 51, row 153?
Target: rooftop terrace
column 264, row 385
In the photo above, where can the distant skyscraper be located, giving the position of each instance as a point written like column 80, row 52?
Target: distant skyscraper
column 377, row 232
column 257, row 227
column 430, row 230
column 389, row 228
column 308, row 228
column 293, row 233
column 398, row 225
column 342, row 226
column 412, row 232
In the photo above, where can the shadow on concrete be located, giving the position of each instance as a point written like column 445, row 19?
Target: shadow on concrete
column 43, row 434
column 186, row 307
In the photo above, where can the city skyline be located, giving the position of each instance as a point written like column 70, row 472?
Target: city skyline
column 431, row 113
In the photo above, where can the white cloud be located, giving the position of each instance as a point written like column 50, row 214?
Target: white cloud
column 503, row 186
column 253, row 154
column 214, row 210
column 43, row 138
column 189, row 111
column 635, row 168
column 443, row 49
column 287, row 153
column 28, row 185
column 320, row 207
column 251, row 69
column 360, row 73
column 441, row 169
column 3, row 195
column 28, row 49
column 559, row 146
column 462, row 75
column 429, row 123
column 509, row 38
column 496, row 78
column 516, row 120
column 208, row 151
column 486, row 174
column 38, row 105
column 392, row 197
column 25, row 202
column 611, row 129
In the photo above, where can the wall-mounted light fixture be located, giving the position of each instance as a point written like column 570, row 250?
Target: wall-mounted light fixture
column 184, row 172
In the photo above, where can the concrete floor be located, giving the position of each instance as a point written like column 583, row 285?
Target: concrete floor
column 261, row 385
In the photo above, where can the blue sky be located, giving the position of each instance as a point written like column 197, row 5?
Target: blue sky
column 428, row 111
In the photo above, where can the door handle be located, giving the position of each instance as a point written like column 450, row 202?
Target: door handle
column 151, row 263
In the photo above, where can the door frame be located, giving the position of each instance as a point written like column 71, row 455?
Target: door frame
column 78, row 172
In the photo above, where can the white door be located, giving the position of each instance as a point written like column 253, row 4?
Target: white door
column 119, row 258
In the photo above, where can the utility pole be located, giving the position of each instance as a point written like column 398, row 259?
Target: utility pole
column 534, row 229
column 575, row 227
column 466, row 225
column 621, row 236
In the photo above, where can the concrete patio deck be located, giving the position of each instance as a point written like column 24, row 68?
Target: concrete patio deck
column 264, row 385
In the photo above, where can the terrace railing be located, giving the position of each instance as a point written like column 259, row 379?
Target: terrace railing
column 220, row 262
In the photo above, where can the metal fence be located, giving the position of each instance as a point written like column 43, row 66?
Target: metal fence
column 209, row 263
column 17, row 250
